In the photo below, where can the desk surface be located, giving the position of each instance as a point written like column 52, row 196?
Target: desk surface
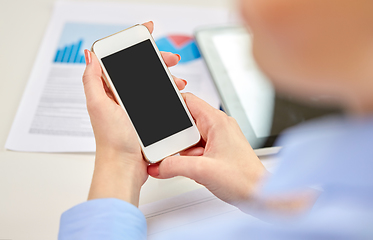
column 35, row 188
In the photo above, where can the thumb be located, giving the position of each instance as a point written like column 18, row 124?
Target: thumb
column 204, row 115
column 192, row 167
column 93, row 85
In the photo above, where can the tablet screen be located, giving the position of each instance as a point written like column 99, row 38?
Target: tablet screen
column 245, row 92
column 254, row 91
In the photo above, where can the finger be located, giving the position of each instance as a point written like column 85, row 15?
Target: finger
column 93, row 86
column 194, row 151
column 149, row 25
column 153, row 169
column 170, row 59
column 190, row 167
column 180, row 83
column 109, row 93
column 201, row 144
column 204, row 115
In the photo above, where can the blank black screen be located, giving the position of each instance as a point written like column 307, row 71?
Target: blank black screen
column 146, row 92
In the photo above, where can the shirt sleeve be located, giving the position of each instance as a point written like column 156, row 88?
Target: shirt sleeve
column 107, row 218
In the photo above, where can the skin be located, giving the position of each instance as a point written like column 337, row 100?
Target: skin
column 307, row 48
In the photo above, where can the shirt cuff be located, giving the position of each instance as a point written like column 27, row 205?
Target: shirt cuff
column 107, row 218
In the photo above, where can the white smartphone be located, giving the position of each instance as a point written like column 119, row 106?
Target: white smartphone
column 135, row 72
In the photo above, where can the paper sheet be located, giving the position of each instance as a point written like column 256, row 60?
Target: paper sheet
column 197, row 215
column 52, row 115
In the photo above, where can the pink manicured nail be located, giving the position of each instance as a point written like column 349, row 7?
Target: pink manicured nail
column 87, row 56
column 156, row 172
column 149, row 22
column 153, row 170
column 184, row 81
column 178, row 56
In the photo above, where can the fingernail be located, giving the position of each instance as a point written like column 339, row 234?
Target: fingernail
column 184, row 81
column 156, row 172
column 87, row 56
column 178, row 56
column 153, row 170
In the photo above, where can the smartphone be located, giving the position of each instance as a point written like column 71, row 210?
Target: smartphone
column 135, row 72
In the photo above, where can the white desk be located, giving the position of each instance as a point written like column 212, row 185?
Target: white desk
column 35, row 188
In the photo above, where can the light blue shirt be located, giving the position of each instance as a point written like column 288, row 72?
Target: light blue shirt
column 336, row 155
column 102, row 219
column 333, row 154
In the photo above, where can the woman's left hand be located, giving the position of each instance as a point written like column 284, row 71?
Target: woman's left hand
column 120, row 169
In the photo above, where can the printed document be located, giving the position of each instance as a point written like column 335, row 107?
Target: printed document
column 52, row 116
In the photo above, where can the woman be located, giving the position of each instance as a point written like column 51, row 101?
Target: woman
column 308, row 49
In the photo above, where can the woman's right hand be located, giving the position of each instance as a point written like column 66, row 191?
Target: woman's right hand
column 223, row 161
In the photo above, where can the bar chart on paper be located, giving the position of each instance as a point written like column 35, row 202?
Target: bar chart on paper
column 70, row 54
column 76, row 37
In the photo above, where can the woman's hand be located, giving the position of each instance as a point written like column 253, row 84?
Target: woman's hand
column 223, row 162
column 120, row 169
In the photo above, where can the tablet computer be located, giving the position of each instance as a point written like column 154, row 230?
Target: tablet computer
column 245, row 92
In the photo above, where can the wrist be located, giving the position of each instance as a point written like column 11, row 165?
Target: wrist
column 118, row 175
column 112, row 155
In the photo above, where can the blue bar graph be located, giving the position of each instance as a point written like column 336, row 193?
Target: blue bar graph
column 70, row 53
